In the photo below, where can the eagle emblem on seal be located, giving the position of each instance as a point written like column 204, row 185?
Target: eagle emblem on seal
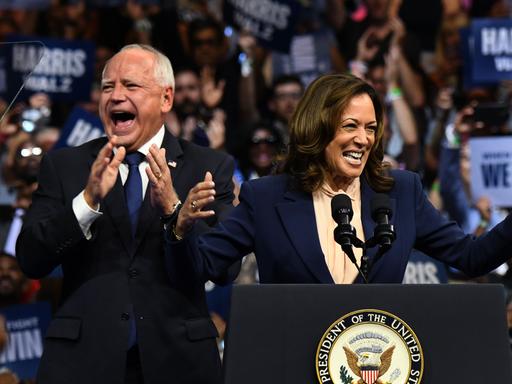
column 369, row 367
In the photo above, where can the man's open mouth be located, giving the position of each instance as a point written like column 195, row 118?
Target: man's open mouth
column 122, row 119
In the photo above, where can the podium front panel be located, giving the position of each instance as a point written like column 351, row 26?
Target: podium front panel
column 274, row 330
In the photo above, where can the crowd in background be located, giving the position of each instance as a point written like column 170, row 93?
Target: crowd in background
column 232, row 94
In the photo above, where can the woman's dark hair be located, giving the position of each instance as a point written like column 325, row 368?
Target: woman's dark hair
column 314, row 124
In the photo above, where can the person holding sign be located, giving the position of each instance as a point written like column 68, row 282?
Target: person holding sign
column 475, row 213
column 335, row 149
column 101, row 211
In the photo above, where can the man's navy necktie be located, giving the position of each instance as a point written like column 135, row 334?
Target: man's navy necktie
column 133, row 187
column 133, row 195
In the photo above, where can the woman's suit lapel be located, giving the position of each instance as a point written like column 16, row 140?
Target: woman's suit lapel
column 298, row 218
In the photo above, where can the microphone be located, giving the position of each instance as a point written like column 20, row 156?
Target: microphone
column 341, row 210
column 344, row 233
column 384, row 233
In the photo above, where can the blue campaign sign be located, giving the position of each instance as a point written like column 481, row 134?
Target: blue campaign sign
column 491, row 169
column 272, row 22
column 10, row 86
column 63, row 69
column 491, row 50
column 26, row 325
column 468, row 57
column 80, row 127
column 422, row 269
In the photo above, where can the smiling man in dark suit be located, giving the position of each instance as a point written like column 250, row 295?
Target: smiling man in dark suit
column 127, row 316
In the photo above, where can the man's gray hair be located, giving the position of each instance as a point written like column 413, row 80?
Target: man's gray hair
column 164, row 74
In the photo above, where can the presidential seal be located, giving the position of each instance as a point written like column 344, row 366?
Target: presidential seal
column 369, row 346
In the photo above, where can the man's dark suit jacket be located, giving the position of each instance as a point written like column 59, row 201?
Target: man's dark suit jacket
column 105, row 276
column 277, row 222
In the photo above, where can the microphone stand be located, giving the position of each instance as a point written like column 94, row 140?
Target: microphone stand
column 346, row 246
column 364, row 265
column 363, row 269
column 345, row 235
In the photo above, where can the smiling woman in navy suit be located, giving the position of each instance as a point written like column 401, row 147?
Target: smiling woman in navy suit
column 335, row 148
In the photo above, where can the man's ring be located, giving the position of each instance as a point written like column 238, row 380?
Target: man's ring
column 193, row 205
column 158, row 175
